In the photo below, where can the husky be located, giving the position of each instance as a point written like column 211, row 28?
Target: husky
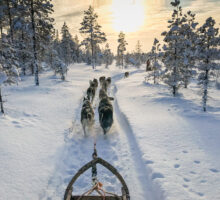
column 103, row 94
column 101, row 79
column 104, row 85
column 126, row 75
column 108, row 81
column 95, row 81
column 105, row 110
column 87, row 114
column 91, row 93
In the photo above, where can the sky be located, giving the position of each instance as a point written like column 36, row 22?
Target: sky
column 139, row 19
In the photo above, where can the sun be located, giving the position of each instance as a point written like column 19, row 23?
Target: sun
column 128, row 15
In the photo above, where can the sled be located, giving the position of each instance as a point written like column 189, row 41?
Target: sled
column 97, row 186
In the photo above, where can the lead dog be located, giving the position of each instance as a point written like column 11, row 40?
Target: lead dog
column 101, row 79
column 87, row 115
column 105, row 110
column 95, row 81
column 126, row 75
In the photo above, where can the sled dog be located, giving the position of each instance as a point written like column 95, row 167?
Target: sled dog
column 105, row 110
column 126, row 75
column 87, row 115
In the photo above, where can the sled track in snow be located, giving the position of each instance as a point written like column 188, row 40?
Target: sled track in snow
column 143, row 173
column 119, row 147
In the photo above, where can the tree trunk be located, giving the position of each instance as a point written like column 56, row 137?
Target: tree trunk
column 1, row 102
column 122, row 60
column 35, row 64
column 92, row 48
column 205, row 92
column 23, row 55
column 10, row 20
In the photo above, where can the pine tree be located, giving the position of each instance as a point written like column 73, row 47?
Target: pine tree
column 66, row 44
column 207, row 48
column 92, row 32
column 173, row 49
column 3, row 18
column 107, row 56
column 8, row 67
column 188, row 47
column 121, row 49
column 41, row 28
column 77, row 51
column 138, row 52
column 154, row 56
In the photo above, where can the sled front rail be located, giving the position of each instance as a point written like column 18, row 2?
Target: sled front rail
column 125, row 193
column 96, row 198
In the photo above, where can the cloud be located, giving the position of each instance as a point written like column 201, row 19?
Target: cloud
column 72, row 14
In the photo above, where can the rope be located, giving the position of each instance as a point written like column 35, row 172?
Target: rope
column 97, row 186
column 94, row 169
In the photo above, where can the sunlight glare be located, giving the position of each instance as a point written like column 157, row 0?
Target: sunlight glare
column 128, row 15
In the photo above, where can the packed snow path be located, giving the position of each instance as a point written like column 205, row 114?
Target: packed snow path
column 118, row 147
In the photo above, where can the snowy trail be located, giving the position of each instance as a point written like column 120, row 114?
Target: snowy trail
column 175, row 147
column 117, row 147
column 134, row 154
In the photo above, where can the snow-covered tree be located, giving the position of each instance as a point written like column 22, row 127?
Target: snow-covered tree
column 40, row 28
column 60, row 68
column 77, row 53
column 154, row 57
column 66, row 44
column 107, row 56
column 92, row 32
column 208, row 42
column 3, row 16
column 138, row 52
column 8, row 75
column 188, row 46
column 121, row 49
column 173, row 49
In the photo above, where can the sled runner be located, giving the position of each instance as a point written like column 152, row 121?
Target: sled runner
column 97, row 186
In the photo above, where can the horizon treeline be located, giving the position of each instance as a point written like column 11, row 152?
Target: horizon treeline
column 29, row 44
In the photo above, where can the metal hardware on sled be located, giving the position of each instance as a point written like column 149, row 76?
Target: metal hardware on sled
column 97, row 186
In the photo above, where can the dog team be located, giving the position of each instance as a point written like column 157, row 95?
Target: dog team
column 105, row 108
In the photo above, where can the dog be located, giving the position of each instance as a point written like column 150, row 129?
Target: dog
column 126, row 75
column 103, row 94
column 108, row 80
column 101, row 79
column 105, row 110
column 104, row 85
column 95, row 81
column 91, row 93
column 87, row 114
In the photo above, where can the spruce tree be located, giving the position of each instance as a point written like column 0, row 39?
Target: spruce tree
column 107, row 56
column 208, row 42
column 173, row 49
column 154, row 57
column 121, row 49
column 41, row 28
column 188, row 47
column 138, row 53
column 92, row 32
column 66, row 44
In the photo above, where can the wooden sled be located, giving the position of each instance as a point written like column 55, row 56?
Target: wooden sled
column 98, row 186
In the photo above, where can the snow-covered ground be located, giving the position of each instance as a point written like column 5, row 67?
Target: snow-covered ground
column 164, row 147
